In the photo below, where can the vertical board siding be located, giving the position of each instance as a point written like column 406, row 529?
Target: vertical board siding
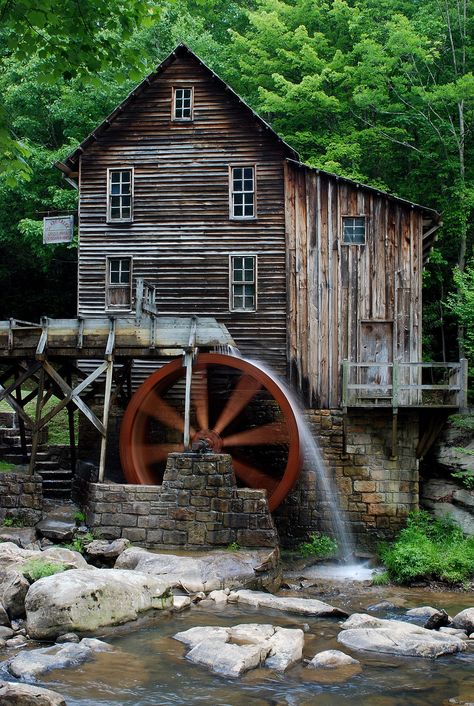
column 345, row 287
column 181, row 234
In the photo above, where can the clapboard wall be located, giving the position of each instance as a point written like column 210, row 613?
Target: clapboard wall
column 346, row 300
column 181, row 235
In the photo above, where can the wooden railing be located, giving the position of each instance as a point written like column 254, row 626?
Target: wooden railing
column 404, row 384
column 145, row 301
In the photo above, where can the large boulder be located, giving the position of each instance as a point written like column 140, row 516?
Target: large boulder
column 21, row 536
column 444, row 497
column 84, row 601
column 234, row 650
column 288, row 604
column 13, row 589
column 214, row 570
column 464, row 620
column 365, row 632
column 34, row 663
column 14, row 694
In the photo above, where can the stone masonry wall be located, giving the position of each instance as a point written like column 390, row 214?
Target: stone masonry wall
column 375, row 491
column 197, row 506
column 21, row 497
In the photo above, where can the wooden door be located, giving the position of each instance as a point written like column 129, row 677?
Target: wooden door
column 376, row 346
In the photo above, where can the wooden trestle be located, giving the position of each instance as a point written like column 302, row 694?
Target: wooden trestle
column 41, row 360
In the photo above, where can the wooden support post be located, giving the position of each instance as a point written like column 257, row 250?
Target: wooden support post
column 21, row 421
column 463, row 373
column 70, row 419
column 105, row 418
column 37, row 428
column 188, row 363
column 109, row 350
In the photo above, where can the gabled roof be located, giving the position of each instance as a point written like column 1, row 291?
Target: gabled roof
column 69, row 166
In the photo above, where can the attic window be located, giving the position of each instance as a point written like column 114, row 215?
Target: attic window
column 353, row 230
column 183, row 103
column 242, row 192
column 119, row 195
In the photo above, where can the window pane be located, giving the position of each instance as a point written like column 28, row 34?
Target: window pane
column 353, row 230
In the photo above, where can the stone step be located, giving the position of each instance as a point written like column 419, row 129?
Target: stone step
column 55, row 476
column 46, row 465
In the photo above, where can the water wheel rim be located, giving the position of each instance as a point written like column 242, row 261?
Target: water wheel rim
column 134, row 420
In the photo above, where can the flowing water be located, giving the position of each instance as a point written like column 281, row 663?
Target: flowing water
column 149, row 668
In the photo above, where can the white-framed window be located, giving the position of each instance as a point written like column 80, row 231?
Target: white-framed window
column 183, row 103
column 242, row 192
column 120, row 195
column 242, row 282
column 353, row 230
column 118, row 291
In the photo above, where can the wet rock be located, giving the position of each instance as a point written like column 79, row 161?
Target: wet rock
column 13, row 589
column 56, row 530
column 68, row 637
column 440, row 619
column 290, row 604
column 331, row 659
column 181, row 603
column 6, row 633
column 233, row 651
column 14, row 694
column 21, row 536
column 365, row 632
column 381, row 606
column 453, row 631
column 213, row 571
column 464, row 620
column 101, row 552
column 219, row 596
column 17, row 641
column 423, row 612
column 34, row 663
column 86, row 600
column 4, row 619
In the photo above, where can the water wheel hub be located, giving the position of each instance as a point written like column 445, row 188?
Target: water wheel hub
column 211, row 437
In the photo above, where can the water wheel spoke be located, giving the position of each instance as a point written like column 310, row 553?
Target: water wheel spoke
column 253, row 477
column 268, row 434
column 155, row 406
column 200, row 395
column 246, row 388
column 155, row 453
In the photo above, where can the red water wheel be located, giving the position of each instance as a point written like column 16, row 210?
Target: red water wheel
column 236, row 407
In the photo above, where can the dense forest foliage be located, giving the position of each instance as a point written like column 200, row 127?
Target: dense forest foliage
column 381, row 91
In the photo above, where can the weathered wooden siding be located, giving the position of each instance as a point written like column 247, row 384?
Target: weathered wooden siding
column 181, row 235
column 334, row 290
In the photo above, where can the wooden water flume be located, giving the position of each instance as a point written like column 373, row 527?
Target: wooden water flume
column 235, row 407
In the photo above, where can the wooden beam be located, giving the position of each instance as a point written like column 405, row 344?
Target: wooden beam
column 105, row 418
column 36, row 429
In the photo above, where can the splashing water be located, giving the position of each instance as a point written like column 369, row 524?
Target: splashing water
column 328, row 493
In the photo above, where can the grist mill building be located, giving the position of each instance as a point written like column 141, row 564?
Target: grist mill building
column 191, row 206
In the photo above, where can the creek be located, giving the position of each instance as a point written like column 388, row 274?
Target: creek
column 148, row 667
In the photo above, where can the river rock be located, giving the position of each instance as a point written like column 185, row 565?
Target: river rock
column 87, row 600
column 331, row 659
column 21, row 536
column 440, row 619
column 219, row 596
column 4, row 619
column 13, row 589
column 68, row 637
column 17, row 641
column 464, row 620
column 34, row 663
column 233, row 651
column 104, row 553
column 289, row 604
column 423, row 612
column 365, row 632
column 213, row 571
column 12, row 556
column 181, row 603
column 56, row 530
column 14, row 694
column 453, row 631
column 6, row 633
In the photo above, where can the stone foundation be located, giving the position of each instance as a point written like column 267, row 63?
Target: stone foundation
column 376, row 491
column 198, row 506
column 21, row 498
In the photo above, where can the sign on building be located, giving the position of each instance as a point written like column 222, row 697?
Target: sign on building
column 57, row 229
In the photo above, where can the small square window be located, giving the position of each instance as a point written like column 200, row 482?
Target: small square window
column 119, row 195
column 353, row 230
column 243, row 283
column 242, row 194
column 182, row 104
